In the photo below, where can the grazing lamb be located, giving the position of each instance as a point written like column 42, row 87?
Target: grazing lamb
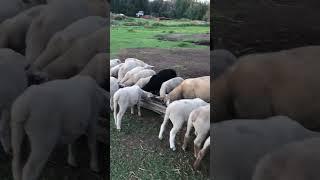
column 169, row 85
column 114, row 87
column 114, row 62
column 128, row 66
column 114, row 71
column 298, row 160
column 190, row 88
column 239, row 144
column 127, row 97
column 143, row 81
column 55, row 112
column 134, row 71
column 156, row 80
column 178, row 112
column 200, row 120
column 267, row 84
column 202, row 153
column 135, row 78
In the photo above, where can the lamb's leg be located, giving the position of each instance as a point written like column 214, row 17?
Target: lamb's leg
column 198, row 141
column 111, row 103
column 92, row 143
column 187, row 135
column 202, row 153
column 163, row 125
column 71, row 158
column 177, row 124
column 17, row 140
column 5, row 131
column 41, row 147
column 132, row 109
column 139, row 109
column 120, row 114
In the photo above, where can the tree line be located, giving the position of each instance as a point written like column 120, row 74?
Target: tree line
column 190, row 9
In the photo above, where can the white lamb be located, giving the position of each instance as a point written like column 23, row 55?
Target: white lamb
column 202, row 153
column 133, row 72
column 127, row 97
column 143, row 81
column 114, row 86
column 135, row 78
column 178, row 112
column 114, row 71
column 127, row 66
column 114, row 62
column 200, row 120
column 133, row 59
column 169, row 85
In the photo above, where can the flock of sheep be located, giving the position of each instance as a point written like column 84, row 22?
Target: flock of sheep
column 54, row 76
column 187, row 100
column 266, row 115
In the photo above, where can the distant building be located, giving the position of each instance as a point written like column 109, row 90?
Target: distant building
column 139, row 14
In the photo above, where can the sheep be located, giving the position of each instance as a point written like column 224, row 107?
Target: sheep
column 169, row 85
column 127, row 67
column 114, row 71
column 133, row 59
column 156, row 80
column 297, row 160
column 202, row 153
column 240, row 143
column 190, row 88
column 135, row 78
column 58, row 111
column 114, row 62
column 127, row 97
column 200, row 120
column 114, row 86
column 143, row 81
column 178, row 112
column 134, row 71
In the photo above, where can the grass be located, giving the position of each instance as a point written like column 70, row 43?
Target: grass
column 142, row 34
column 137, row 153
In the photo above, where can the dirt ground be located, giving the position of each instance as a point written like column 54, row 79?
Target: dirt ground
column 251, row 26
column 188, row 63
column 200, row 39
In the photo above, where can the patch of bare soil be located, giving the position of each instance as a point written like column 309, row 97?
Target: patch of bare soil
column 188, row 63
column 200, row 39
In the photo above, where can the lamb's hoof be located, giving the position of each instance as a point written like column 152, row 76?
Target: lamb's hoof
column 119, row 130
column 160, row 137
column 95, row 168
column 183, row 148
column 73, row 163
column 173, row 148
column 139, row 115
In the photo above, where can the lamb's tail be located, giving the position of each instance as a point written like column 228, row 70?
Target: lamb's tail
column 115, row 105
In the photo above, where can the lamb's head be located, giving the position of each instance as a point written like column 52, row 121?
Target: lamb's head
column 146, row 94
column 166, row 99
